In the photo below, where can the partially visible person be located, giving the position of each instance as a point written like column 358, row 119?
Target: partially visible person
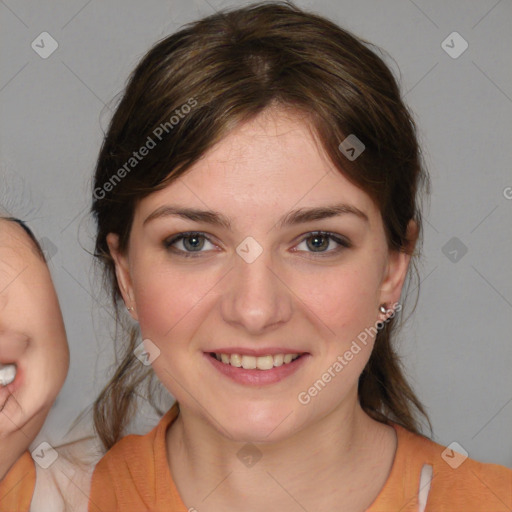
column 34, row 361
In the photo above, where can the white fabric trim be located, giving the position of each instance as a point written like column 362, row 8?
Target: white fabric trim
column 424, row 488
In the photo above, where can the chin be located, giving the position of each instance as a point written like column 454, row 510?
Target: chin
column 257, row 423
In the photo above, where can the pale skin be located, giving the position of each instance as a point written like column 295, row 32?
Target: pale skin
column 32, row 336
column 328, row 454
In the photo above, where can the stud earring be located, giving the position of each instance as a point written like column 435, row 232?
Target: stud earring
column 129, row 309
column 383, row 309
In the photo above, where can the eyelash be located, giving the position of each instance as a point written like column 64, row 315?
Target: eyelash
column 343, row 243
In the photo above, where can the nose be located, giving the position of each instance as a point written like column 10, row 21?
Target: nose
column 256, row 297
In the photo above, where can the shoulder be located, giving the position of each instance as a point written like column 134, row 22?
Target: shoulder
column 124, row 469
column 127, row 473
column 456, row 480
column 135, row 452
column 17, row 487
column 65, row 483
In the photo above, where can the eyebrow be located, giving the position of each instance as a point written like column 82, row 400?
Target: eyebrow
column 299, row 216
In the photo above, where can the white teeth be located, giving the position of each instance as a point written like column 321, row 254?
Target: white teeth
column 7, row 374
column 236, row 360
column 253, row 362
column 249, row 362
column 278, row 359
column 265, row 362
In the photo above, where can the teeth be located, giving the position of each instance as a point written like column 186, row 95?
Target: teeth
column 236, row 360
column 7, row 374
column 249, row 362
column 265, row 362
column 252, row 362
column 278, row 359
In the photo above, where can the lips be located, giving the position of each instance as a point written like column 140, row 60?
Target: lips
column 256, row 376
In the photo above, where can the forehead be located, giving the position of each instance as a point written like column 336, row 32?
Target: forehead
column 272, row 162
column 12, row 243
column 17, row 253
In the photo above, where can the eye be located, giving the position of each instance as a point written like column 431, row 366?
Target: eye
column 192, row 242
column 320, row 241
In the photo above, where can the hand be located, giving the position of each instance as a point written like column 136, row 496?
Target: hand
column 32, row 337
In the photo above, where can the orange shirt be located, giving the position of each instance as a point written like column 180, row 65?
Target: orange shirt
column 134, row 476
column 17, row 487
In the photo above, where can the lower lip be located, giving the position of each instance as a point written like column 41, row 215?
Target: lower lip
column 258, row 377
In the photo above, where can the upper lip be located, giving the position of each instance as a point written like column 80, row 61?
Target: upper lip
column 257, row 352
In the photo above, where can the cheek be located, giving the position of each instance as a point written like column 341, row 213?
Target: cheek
column 343, row 299
column 33, row 309
column 166, row 301
column 171, row 309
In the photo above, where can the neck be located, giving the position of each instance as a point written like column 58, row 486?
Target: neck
column 339, row 449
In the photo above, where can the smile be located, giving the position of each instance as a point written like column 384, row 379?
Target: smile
column 252, row 362
column 257, row 370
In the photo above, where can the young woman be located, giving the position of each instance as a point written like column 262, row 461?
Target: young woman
column 256, row 199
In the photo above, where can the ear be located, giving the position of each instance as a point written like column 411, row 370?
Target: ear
column 396, row 270
column 122, row 273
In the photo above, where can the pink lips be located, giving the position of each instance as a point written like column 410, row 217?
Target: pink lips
column 257, row 377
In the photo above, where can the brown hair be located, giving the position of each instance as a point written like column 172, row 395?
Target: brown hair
column 196, row 85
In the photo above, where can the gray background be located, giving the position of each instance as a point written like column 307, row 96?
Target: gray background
column 457, row 347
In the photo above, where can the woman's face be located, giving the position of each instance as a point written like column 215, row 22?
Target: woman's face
column 264, row 285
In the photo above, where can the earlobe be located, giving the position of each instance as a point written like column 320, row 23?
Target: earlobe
column 122, row 273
